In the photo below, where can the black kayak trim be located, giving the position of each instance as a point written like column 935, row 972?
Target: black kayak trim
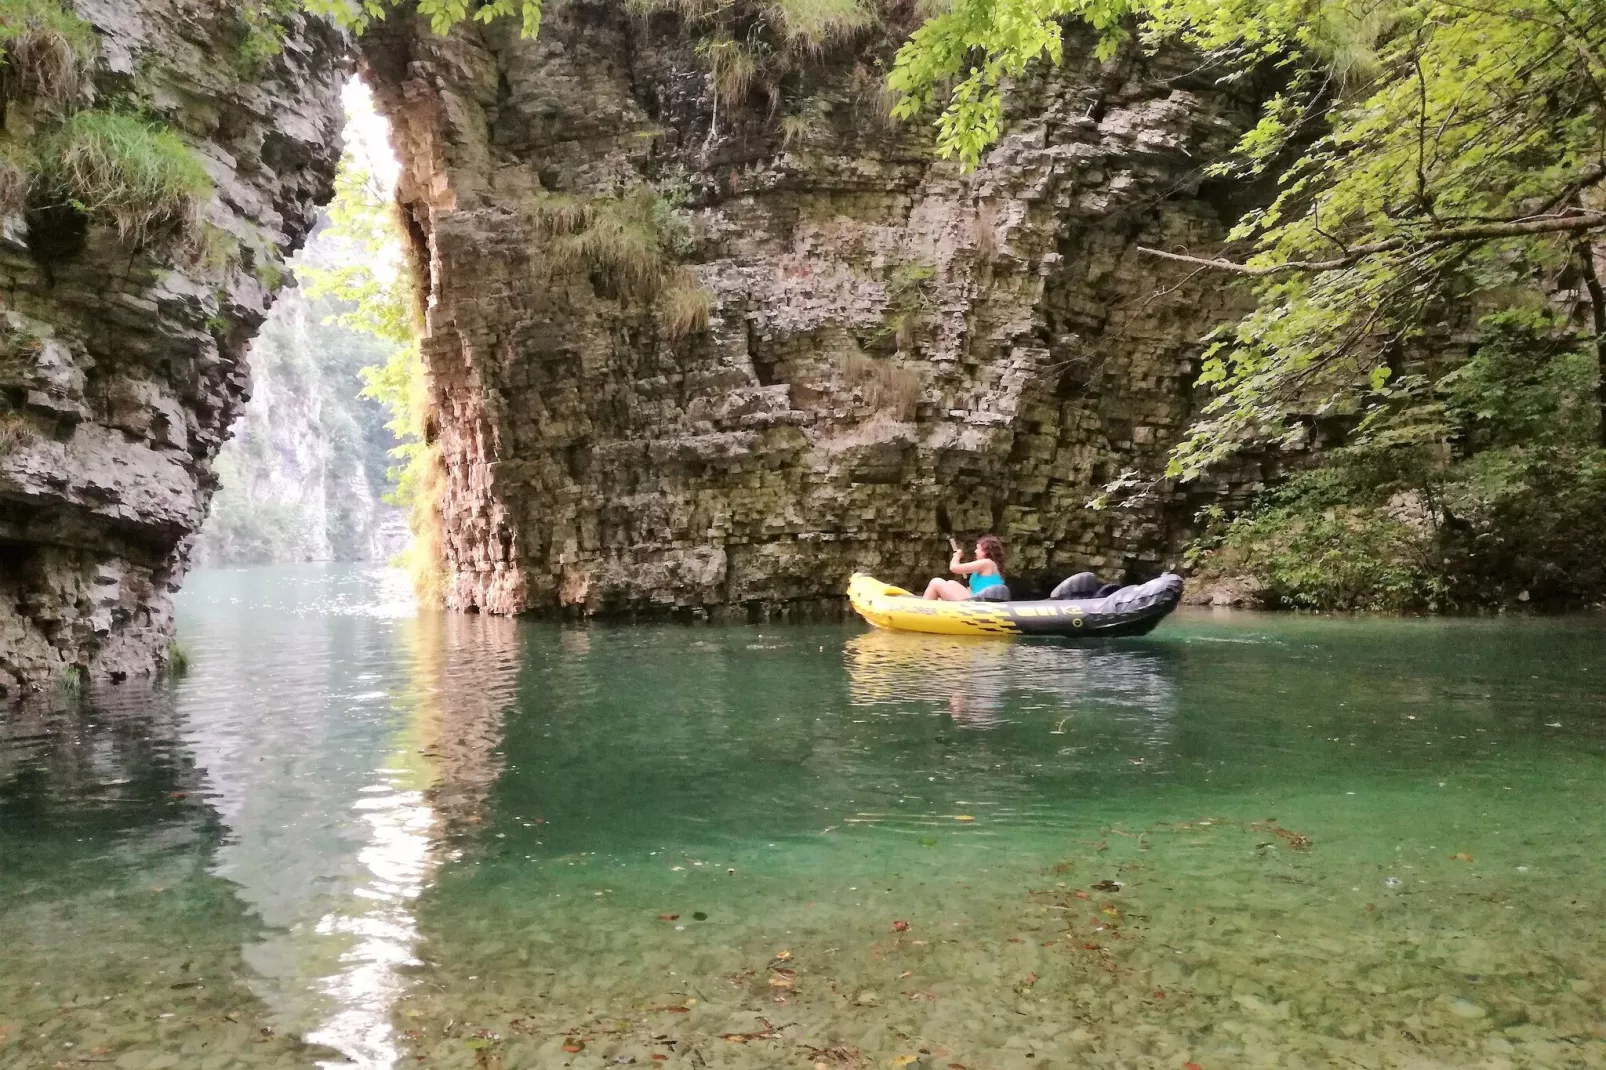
column 1135, row 610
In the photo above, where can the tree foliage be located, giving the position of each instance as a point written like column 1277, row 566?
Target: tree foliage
column 374, row 290
column 442, row 14
column 1478, row 484
column 1432, row 155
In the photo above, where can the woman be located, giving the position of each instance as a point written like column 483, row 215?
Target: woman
column 984, row 572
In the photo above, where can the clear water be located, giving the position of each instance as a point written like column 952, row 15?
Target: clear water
column 357, row 836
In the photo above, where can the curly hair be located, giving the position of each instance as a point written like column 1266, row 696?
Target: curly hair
column 992, row 548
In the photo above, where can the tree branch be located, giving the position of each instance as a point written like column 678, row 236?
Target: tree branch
column 1433, row 239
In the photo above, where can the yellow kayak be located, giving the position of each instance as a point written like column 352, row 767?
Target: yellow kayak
column 1134, row 610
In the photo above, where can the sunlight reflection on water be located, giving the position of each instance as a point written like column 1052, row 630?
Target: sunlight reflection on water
column 370, row 981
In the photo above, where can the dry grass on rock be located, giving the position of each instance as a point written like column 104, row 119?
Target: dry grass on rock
column 886, row 386
column 686, row 305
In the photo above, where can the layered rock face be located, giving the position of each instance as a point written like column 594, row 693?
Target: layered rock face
column 122, row 367
column 894, row 350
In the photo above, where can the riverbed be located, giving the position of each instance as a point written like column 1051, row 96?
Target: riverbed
column 357, row 834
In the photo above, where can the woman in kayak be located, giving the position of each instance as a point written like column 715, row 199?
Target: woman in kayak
column 984, row 572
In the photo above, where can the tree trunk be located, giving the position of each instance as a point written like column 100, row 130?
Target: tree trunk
column 1597, row 302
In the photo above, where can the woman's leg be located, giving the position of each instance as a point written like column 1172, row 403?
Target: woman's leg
column 947, row 591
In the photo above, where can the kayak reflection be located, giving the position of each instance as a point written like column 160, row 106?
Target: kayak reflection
column 972, row 676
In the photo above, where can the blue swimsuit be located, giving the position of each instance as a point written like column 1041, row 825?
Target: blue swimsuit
column 980, row 582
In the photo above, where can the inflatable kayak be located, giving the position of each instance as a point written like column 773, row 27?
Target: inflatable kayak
column 1128, row 611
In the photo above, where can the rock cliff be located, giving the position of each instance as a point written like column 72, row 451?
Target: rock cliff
column 122, row 363
column 848, row 350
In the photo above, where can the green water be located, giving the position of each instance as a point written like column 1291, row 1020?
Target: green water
column 360, row 836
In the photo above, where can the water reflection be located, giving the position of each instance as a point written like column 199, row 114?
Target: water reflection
column 106, row 843
column 445, row 760
column 978, row 679
column 339, row 756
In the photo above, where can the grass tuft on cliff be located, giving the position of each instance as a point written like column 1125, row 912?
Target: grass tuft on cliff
column 114, row 166
column 45, row 53
column 811, row 25
column 16, row 432
column 804, row 25
column 686, row 306
column 18, row 165
column 885, row 385
column 124, row 170
column 627, row 241
column 810, row 121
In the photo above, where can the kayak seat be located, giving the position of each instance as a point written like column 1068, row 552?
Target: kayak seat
column 1083, row 585
column 998, row 592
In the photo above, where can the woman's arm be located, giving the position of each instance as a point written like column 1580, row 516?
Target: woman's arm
column 983, row 565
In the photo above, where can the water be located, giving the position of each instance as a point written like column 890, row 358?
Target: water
column 356, row 836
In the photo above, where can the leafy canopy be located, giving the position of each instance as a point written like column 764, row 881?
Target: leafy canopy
column 1457, row 172
column 1432, row 156
column 375, row 291
column 442, row 14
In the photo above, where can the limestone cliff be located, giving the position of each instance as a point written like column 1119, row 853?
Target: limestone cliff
column 892, row 350
column 122, row 364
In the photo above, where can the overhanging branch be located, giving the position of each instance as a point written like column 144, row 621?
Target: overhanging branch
column 1428, row 240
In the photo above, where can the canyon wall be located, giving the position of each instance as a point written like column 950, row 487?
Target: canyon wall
column 122, row 364
column 893, row 350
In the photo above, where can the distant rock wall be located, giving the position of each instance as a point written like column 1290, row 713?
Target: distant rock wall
column 121, row 368
column 302, row 478
column 894, row 350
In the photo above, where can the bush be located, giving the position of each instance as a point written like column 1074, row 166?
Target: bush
column 1526, row 526
column 1319, row 543
column 178, row 660
column 1480, row 486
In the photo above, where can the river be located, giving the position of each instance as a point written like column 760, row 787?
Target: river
column 360, row 835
